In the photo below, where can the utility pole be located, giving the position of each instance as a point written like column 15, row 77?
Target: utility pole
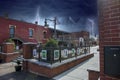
column 54, row 21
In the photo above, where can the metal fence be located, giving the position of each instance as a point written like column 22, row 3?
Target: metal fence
column 0, row 48
column 52, row 54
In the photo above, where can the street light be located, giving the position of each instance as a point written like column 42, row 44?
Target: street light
column 54, row 21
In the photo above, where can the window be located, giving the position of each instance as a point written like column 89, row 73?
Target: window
column 12, row 31
column 30, row 32
column 44, row 34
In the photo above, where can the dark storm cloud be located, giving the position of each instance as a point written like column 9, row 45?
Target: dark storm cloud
column 61, row 7
column 73, row 13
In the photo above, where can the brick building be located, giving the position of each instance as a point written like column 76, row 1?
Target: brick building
column 74, row 38
column 77, row 36
column 22, row 31
column 109, row 29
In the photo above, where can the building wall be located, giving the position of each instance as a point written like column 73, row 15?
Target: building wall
column 22, row 31
column 76, row 35
column 80, row 34
column 109, row 29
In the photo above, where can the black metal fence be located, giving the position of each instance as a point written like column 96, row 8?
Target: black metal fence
column 0, row 48
column 52, row 54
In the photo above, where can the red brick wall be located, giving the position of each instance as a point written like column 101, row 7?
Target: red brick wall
column 22, row 30
column 8, row 47
column 109, row 28
column 80, row 34
column 93, row 75
column 28, row 50
column 51, row 72
column 9, row 57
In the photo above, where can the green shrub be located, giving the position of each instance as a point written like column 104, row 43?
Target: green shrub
column 9, row 40
column 51, row 43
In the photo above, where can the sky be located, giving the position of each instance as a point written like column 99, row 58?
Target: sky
column 72, row 15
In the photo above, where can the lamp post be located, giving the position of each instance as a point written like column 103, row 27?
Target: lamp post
column 54, row 21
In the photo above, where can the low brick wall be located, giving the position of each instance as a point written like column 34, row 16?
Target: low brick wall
column 9, row 57
column 51, row 72
column 106, row 77
column 93, row 75
column 8, row 47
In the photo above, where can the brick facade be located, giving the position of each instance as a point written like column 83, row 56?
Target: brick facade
column 8, row 53
column 51, row 72
column 109, row 29
column 22, row 31
column 27, row 50
column 9, row 57
column 34, row 66
column 93, row 75
column 8, row 47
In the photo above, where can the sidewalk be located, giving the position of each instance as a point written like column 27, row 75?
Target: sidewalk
column 80, row 71
column 6, row 68
column 7, row 72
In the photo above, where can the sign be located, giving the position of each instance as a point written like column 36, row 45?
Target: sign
column 81, row 41
column 17, row 47
column 34, row 53
column 56, row 54
column 73, row 52
column 64, row 53
column 44, row 54
column 78, row 51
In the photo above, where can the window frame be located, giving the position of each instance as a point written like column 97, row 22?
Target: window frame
column 12, row 30
column 31, row 32
column 44, row 34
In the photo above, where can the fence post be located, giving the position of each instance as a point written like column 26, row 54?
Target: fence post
column 51, row 56
column 27, row 50
column 76, row 52
column 60, row 54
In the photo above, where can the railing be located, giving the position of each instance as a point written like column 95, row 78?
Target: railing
column 52, row 55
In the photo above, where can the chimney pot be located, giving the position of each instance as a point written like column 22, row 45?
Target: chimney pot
column 36, row 22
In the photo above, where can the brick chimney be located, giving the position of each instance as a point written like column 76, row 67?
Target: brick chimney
column 36, row 22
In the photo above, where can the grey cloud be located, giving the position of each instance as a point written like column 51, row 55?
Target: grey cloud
column 73, row 13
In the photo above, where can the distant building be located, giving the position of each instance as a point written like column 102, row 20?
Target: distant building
column 80, row 38
column 73, row 39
